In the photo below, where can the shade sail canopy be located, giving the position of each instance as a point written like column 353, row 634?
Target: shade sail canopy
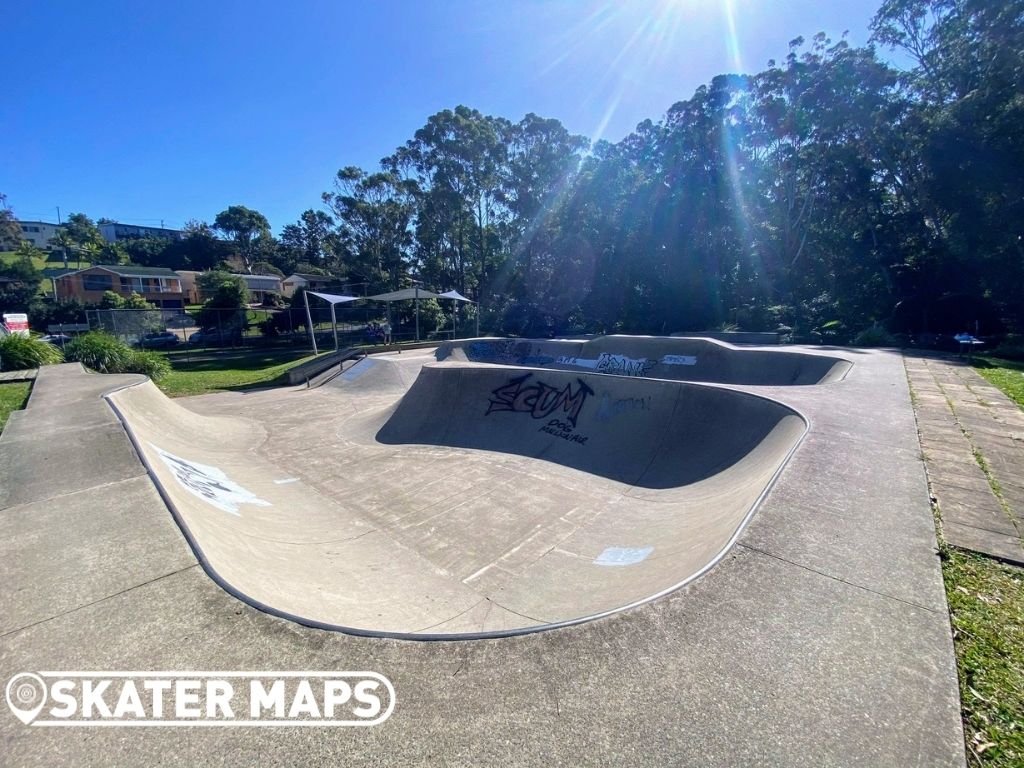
column 334, row 298
column 405, row 293
column 454, row 295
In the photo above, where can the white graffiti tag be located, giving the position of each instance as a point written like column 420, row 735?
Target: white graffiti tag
column 209, row 483
column 619, row 365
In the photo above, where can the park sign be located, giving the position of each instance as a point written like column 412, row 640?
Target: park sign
column 16, row 323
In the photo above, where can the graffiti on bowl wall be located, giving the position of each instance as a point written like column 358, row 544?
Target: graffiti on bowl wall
column 210, row 484
column 540, row 400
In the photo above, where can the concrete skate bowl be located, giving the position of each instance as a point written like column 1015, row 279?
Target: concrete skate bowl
column 658, row 357
column 485, row 502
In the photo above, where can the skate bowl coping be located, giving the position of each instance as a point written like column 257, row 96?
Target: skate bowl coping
column 659, row 357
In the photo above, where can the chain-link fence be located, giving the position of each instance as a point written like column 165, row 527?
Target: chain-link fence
column 217, row 329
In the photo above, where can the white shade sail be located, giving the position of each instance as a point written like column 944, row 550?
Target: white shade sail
column 333, row 298
column 405, row 293
column 454, row 295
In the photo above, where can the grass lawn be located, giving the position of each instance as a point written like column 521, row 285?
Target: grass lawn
column 1005, row 374
column 12, row 398
column 986, row 603
column 216, row 373
column 8, row 257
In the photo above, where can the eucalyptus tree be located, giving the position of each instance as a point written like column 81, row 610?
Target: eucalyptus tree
column 374, row 212
column 311, row 239
column 967, row 76
column 248, row 229
column 454, row 165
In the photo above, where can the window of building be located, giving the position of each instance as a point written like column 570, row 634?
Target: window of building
column 97, row 283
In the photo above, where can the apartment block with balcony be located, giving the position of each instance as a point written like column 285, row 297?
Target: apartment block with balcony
column 159, row 286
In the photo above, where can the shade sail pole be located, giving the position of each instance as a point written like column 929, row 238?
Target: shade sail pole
column 309, row 320
column 334, row 325
column 417, row 313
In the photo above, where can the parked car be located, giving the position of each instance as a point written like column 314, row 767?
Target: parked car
column 215, row 336
column 60, row 339
column 161, row 340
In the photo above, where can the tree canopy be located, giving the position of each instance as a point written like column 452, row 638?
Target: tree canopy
column 829, row 193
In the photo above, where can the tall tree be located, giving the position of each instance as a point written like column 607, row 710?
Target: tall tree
column 19, row 280
column 374, row 212
column 967, row 144
column 248, row 229
column 456, row 162
column 312, row 238
column 10, row 230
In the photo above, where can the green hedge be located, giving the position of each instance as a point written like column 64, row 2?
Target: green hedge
column 104, row 353
column 19, row 353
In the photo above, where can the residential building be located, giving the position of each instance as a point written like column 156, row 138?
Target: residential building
column 39, row 233
column 51, row 274
column 115, row 231
column 260, row 285
column 189, row 287
column 157, row 285
column 309, row 282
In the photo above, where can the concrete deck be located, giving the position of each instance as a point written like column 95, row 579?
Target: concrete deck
column 821, row 638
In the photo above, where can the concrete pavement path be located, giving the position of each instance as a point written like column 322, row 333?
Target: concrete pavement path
column 972, row 438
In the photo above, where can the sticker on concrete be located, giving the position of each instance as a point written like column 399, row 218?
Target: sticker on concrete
column 615, row 556
column 609, row 408
column 286, row 481
column 578, row 362
column 358, row 369
column 679, row 360
column 209, row 483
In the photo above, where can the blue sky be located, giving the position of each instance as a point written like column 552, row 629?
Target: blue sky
column 168, row 111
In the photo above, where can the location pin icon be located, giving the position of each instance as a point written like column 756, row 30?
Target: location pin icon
column 26, row 695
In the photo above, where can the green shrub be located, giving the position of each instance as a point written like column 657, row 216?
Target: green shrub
column 153, row 364
column 875, row 336
column 19, row 353
column 104, row 353
column 99, row 351
column 1011, row 348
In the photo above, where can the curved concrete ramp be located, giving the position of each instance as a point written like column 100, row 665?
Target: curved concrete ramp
column 651, row 434
column 388, row 373
column 657, row 357
column 487, row 501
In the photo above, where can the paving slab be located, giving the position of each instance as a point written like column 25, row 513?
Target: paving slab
column 982, row 512
column 7, row 377
column 968, row 508
column 998, row 545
